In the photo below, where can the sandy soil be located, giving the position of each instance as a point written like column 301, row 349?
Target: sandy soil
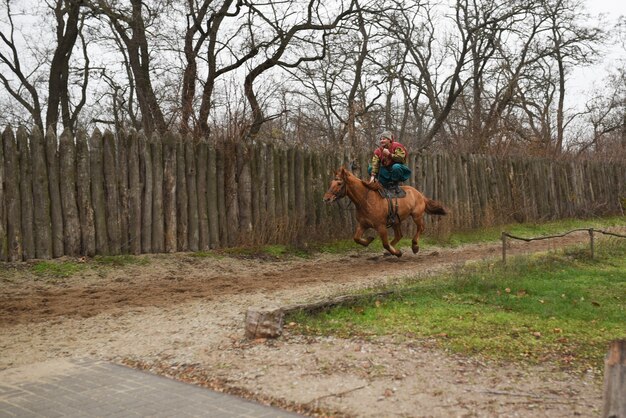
column 182, row 316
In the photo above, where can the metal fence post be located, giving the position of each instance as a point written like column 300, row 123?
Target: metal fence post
column 503, row 236
column 591, row 243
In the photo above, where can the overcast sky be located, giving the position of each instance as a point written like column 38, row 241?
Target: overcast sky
column 583, row 79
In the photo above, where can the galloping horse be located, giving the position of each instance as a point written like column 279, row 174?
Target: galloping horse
column 372, row 210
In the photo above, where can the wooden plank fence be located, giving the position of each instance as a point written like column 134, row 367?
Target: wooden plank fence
column 126, row 193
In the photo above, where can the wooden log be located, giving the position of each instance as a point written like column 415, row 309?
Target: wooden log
column 244, row 191
column 204, row 239
column 193, row 232
column 56, row 211
column 11, row 198
column 67, row 167
column 220, row 174
column 213, row 198
column 41, row 196
column 112, row 197
column 134, row 194
column 26, row 194
column 182, row 197
column 299, row 187
column 83, row 196
column 158, row 231
column 3, row 235
column 121, row 149
column 264, row 322
column 226, row 154
column 169, row 193
column 614, row 395
column 97, row 191
column 147, row 186
column 255, row 189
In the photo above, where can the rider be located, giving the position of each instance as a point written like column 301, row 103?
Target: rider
column 389, row 162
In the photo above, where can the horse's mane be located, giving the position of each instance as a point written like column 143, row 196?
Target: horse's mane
column 370, row 186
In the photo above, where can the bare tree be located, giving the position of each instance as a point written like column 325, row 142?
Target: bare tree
column 130, row 25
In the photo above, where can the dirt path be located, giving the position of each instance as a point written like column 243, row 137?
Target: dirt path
column 182, row 316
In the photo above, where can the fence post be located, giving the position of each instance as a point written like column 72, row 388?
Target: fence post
column 503, row 236
column 614, row 401
column 591, row 243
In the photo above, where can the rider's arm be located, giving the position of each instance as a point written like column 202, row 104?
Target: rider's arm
column 375, row 167
column 398, row 155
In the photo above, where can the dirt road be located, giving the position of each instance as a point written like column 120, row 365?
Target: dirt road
column 182, row 316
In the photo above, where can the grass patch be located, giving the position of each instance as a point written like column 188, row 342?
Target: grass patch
column 481, row 235
column 561, row 307
column 532, row 229
column 58, row 270
column 276, row 251
column 119, row 260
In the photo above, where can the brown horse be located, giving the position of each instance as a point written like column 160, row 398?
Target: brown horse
column 372, row 210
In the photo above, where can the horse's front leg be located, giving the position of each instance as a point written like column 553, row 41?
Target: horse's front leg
column 382, row 231
column 358, row 236
column 397, row 233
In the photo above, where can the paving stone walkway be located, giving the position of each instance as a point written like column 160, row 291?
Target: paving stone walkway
column 93, row 388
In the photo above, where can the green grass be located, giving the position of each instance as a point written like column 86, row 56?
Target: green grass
column 119, row 260
column 481, row 235
column 561, row 307
column 59, row 270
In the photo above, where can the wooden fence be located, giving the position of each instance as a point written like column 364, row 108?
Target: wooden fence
column 125, row 193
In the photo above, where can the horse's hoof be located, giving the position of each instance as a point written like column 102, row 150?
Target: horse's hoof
column 398, row 254
column 416, row 249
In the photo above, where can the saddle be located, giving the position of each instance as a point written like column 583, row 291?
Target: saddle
column 393, row 191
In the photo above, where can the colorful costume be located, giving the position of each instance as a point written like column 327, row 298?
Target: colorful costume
column 390, row 169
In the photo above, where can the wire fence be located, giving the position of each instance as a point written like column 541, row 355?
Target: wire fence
column 505, row 236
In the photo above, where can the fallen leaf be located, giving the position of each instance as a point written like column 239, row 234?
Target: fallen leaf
column 537, row 334
column 557, row 330
column 507, row 290
column 594, row 303
column 377, row 303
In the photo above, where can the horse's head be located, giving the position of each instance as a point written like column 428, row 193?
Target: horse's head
column 337, row 188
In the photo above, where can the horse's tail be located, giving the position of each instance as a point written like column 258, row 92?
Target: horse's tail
column 434, row 207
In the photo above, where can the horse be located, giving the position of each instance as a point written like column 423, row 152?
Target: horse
column 372, row 210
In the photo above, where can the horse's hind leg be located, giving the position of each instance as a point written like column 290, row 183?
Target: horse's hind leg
column 419, row 223
column 358, row 236
column 382, row 231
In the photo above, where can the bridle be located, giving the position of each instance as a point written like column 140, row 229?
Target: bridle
column 343, row 190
